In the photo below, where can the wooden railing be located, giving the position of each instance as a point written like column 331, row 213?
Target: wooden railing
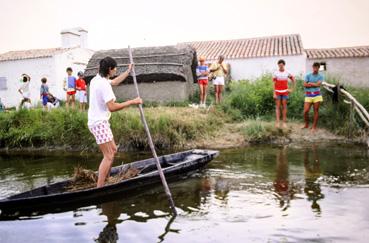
column 355, row 105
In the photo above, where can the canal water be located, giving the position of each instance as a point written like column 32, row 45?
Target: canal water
column 307, row 193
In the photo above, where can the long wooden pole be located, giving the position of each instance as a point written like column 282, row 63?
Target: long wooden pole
column 152, row 147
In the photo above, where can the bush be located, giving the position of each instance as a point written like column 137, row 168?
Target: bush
column 257, row 131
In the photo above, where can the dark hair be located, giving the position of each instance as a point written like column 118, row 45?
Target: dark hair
column 282, row 61
column 43, row 80
column 106, row 64
column 25, row 77
column 316, row 64
column 69, row 69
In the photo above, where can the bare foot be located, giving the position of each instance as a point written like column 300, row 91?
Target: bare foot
column 313, row 130
column 305, row 127
column 276, row 125
column 284, row 125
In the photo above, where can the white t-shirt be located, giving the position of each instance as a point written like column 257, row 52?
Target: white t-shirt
column 101, row 92
column 25, row 90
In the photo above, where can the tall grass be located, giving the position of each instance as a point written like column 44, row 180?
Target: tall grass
column 170, row 128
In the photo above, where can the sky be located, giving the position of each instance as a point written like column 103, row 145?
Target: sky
column 28, row 24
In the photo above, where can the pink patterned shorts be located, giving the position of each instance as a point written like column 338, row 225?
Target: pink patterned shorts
column 102, row 132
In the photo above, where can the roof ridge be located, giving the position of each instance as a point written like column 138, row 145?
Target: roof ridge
column 335, row 48
column 252, row 38
column 40, row 49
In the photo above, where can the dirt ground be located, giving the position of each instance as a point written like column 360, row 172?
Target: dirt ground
column 231, row 136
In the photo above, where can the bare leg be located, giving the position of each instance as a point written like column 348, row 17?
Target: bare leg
column 201, row 93
column 205, row 90
column 216, row 93
column 277, row 111
column 316, row 116
column 108, row 149
column 307, row 107
column 67, row 102
column 284, row 113
column 73, row 101
column 21, row 104
column 220, row 92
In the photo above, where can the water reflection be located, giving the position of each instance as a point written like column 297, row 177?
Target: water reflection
column 148, row 206
column 112, row 211
column 285, row 190
column 255, row 194
column 312, row 173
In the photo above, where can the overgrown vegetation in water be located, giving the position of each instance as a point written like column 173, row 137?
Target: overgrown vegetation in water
column 170, row 128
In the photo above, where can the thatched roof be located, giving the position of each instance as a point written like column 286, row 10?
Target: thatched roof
column 166, row 63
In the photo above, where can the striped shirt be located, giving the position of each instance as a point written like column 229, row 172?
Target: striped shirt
column 313, row 78
column 201, row 69
column 280, row 80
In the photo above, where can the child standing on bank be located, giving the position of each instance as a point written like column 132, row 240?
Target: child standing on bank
column 202, row 72
column 281, row 91
column 70, row 88
column 44, row 93
column 313, row 97
column 81, row 91
column 24, row 91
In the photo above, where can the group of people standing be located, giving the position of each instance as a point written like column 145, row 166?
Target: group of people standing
column 71, row 85
column 313, row 96
column 217, row 71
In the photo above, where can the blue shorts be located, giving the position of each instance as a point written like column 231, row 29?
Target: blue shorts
column 44, row 100
column 282, row 97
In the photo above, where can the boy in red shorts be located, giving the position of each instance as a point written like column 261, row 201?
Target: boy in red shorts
column 70, row 88
column 202, row 72
column 281, row 91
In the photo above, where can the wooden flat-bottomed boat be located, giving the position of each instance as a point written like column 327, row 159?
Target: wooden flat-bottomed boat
column 55, row 196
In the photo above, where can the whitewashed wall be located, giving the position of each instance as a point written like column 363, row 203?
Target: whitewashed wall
column 77, row 59
column 36, row 68
column 53, row 68
column 252, row 68
column 353, row 71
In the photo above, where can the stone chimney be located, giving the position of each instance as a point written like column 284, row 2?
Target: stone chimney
column 75, row 37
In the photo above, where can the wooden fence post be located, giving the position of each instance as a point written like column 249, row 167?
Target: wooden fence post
column 351, row 121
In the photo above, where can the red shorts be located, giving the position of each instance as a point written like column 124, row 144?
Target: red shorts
column 71, row 92
column 203, row 81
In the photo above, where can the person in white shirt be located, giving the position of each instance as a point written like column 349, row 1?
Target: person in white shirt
column 24, row 91
column 102, row 103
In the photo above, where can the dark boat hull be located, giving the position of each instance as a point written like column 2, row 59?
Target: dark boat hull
column 52, row 196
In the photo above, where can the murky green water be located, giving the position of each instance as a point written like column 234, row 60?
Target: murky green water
column 259, row 194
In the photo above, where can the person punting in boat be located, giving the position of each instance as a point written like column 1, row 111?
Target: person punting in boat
column 102, row 103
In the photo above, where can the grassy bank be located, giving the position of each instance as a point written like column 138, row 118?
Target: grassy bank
column 170, row 128
column 245, row 116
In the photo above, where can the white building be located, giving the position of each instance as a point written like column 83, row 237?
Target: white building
column 250, row 58
column 37, row 63
column 350, row 65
